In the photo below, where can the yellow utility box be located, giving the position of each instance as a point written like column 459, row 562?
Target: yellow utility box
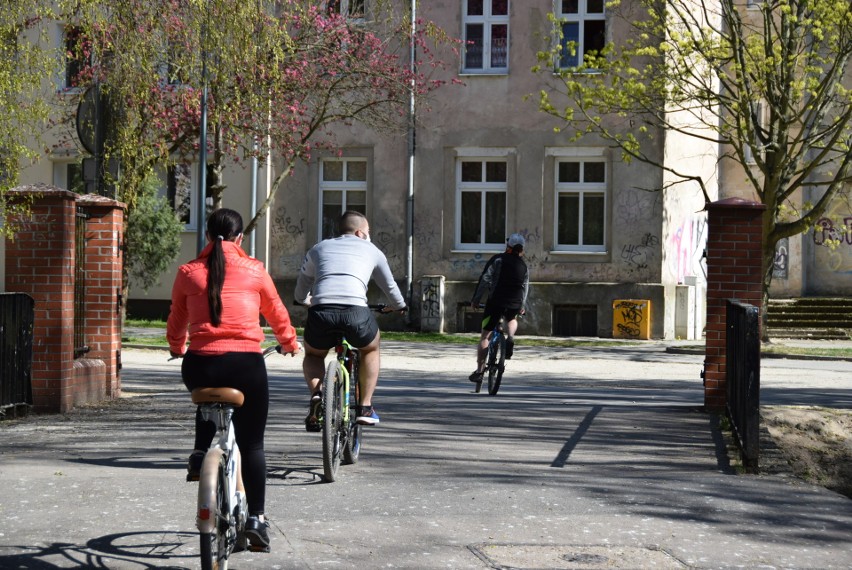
column 631, row 318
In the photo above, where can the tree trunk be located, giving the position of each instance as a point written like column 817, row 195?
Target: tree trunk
column 276, row 184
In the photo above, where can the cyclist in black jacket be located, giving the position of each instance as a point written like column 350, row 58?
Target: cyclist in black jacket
column 506, row 280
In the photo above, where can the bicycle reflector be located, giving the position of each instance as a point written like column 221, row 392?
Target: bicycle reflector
column 204, row 513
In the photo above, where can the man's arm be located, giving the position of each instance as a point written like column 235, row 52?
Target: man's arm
column 384, row 279
column 487, row 280
column 526, row 291
column 305, row 280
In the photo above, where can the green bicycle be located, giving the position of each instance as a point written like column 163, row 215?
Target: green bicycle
column 341, row 434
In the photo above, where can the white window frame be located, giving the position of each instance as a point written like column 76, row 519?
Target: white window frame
column 192, row 197
column 344, row 186
column 63, row 83
column 581, row 189
column 580, row 18
column 348, row 7
column 487, row 20
column 60, row 172
column 482, row 155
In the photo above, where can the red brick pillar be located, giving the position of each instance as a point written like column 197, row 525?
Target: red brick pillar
column 104, row 232
column 734, row 271
column 40, row 263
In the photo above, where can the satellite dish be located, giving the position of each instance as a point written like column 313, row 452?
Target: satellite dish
column 87, row 117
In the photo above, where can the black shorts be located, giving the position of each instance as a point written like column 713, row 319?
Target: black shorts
column 492, row 316
column 327, row 323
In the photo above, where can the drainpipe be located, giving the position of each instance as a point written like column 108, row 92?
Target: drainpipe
column 201, row 206
column 409, row 269
column 253, row 236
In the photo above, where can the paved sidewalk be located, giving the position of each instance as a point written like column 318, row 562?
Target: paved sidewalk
column 588, row 458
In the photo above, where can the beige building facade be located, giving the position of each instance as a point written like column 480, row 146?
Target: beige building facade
column 483, row 162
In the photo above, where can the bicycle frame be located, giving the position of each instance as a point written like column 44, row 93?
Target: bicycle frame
column 341, row 434
column 495, row 357
column 222, row 509
column 225, row 445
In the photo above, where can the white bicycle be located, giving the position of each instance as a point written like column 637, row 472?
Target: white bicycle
column 222, row 510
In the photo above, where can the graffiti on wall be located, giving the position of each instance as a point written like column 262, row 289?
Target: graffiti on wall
column 431, row 307
column 782, row 258
column 638, row 255
column 686, row 247
column 835, row 235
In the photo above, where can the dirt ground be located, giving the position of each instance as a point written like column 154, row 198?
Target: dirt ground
column 813, row 444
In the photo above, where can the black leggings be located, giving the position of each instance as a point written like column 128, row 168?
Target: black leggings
column 245, row 371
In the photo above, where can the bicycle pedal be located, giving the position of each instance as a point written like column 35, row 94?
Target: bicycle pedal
column 253, row 548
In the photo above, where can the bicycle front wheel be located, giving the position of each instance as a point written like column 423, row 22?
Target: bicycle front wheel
column 332, row 424
column 214, row 538
column 352, row 444
column 496, row 365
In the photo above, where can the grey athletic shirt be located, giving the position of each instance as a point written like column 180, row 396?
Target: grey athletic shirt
column 338, row 270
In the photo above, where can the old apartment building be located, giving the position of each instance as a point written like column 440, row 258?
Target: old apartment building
column 483, row 162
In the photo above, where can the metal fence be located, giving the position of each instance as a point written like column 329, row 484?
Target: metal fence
column 742, row 365
column 17, row 315
column 80, row 345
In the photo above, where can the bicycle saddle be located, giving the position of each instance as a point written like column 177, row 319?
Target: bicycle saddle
column 230, row 396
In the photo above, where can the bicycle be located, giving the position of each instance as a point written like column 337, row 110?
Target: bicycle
column 495, row 359
column 222, row 509
column 341, row 433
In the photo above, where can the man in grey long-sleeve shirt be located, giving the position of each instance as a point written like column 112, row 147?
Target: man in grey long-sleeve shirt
column 333, row 280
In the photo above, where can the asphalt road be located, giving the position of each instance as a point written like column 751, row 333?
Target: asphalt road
column 587, row 458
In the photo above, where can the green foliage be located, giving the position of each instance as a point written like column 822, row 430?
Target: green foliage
column 766, row 84
column 25, row 59
column 152, row 236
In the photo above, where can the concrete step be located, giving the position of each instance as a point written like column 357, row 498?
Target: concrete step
column 827, row 318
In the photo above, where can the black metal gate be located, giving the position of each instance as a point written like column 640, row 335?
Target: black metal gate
column 17, row 314
column 742, row 366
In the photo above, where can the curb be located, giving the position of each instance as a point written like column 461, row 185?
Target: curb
column 700, row 351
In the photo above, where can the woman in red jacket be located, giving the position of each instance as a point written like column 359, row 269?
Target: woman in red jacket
column 216, row 301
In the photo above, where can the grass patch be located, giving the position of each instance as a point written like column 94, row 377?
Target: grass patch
column 472, row 338
column 807, row 351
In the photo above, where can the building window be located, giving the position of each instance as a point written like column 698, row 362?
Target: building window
column 486, row 36
column 69, row 175
column 581, row 205
column 583, row 27
column 482, row 187
column 75, row 56
column 353, row 9
column 182, row 192
column 343, row 186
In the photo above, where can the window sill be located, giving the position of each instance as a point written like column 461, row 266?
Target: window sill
column 477, row 251
column 585, row 254
column 502, row 73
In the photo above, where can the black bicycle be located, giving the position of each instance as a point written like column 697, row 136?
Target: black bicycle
column 495, row 359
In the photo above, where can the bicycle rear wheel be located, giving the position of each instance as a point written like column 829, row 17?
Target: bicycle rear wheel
column 496, row 365
column 215, row 547
column 332, row 424
column 352, row 445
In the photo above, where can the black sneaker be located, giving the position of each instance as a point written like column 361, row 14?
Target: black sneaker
column 257, row 534
column 510, row 347
column 476, row 376
column 193, row 466
column 312, row 421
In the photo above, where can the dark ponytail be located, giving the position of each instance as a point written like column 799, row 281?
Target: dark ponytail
column 222, row 225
